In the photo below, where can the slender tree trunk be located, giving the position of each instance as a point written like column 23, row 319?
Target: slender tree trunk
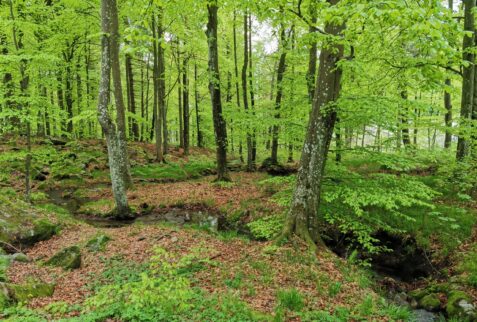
column 250, row 166
column 302, row 218
column 200, row 138
column 109, row 128
column 311, row 73
column 118, row 96
column 141, row 129
column 237, row 87
column 60, row 98
column 252, row 94
column 220, row 128
column 278, row 98
column 448, row 115
column 69, row 99
column 185, row 101
column 156, row 111
column 131, row 98
column 339, row 141
column 79, row 95
column 467, row 79
column 406, row 139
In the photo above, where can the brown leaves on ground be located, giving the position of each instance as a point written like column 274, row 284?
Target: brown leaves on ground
column 262, row 269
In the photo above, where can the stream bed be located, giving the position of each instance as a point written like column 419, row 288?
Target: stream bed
column 405, row 264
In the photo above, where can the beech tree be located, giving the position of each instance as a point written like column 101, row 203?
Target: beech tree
column 302, row 218
column 220, row 128
column 110, row 129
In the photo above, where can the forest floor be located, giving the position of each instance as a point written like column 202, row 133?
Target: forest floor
column 203, row 230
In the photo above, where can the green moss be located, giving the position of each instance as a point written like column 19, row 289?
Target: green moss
column 430, row 302
column 102, row 207
column 5, row 262
column 453, row 309
column 98, row 243
column 68, row 258
column 25, row 292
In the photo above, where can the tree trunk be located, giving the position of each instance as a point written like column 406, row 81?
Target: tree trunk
column 406, row 139
column 69, row 99
column 250, row 166
column 220, row 128
column 278, row 98
column 252, row 94
column 156, row 111
column 310, row 74
column 200, row 138
column 118, row 97
column 237, row 86
column 302, row 218
column 467, row 79
column 448, row 115
column 185, row 102
column 112, row 136
column 131, row 98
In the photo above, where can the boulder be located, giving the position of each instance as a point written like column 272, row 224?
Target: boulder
column 97, row 243
column 68, row 258
column 21, row 225
column 25, row 292
column 430, row 302
column 459, row 306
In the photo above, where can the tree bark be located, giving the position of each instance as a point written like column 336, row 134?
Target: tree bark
column 200, row 138
column 467, row 79
column 406, row 139
column 185, row 102
column 278, row 98
column 250, row 166
column 220, row 128
column 156, row 111
column 302, row 218
column 311, row 73
column 448, row 115
column 131, row 98
column 109, row 128
column 118, row 97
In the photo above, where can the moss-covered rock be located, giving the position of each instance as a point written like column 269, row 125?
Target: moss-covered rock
column 5, row 262
column 430, row 302
column 42, row 229
column 25, row 292
column 68, row 258
column 5, row 299
column 23, row 225
column 98, row 243
column 419, row 293
column 459, row 306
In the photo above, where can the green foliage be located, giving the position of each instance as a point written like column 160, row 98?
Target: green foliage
column 266, row 228
column 468, row 266
column 194, row 168
column 290, row 299
column 162, row 292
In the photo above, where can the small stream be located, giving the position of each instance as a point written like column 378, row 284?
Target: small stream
column 195, row 214
column 398, row 270
column 406, row 263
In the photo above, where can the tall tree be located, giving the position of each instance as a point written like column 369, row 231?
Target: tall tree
column 185, row 101
column 302, row 218
column 156, row 108
column 279, row 95
column 250, row 165
column 220, row 129
column 131, row 98
column 113, row 137
column 118, row 96
column 467, row 78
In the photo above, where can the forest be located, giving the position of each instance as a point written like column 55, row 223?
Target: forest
column 238, row 160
